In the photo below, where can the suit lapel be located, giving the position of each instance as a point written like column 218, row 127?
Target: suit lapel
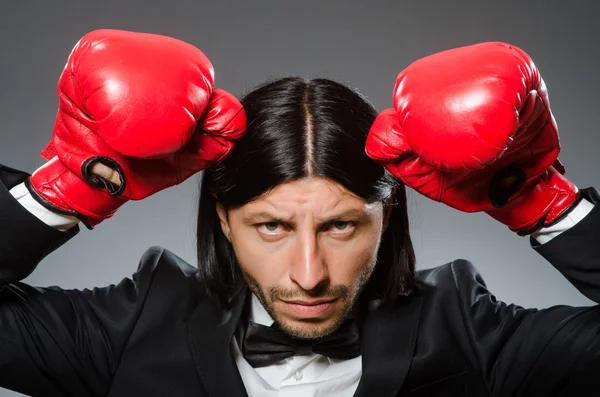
column 388, row 339
column 210, row 330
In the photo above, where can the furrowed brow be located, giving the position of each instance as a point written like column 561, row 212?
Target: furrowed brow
column 264, row 217
column 259, row 217
column 346, row 215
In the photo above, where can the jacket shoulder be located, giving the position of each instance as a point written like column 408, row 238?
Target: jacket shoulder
column 458, row 271
column 459, row 278
column 157, row 256
column 169, row 277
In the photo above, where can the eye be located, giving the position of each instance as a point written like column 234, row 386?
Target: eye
column 270, row 228
column 340, row 225
column 343, row 227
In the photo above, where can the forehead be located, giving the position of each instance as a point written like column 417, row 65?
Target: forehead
column 317, row 194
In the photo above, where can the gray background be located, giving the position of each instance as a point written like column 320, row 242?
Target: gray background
column 364, row 43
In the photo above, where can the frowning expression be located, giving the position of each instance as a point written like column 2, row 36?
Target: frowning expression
column 306, row 250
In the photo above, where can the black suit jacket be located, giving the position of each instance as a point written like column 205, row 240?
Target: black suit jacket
column 157, row 335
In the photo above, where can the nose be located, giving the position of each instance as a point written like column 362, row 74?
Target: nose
column 309, row 270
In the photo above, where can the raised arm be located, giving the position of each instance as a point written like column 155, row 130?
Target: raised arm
column 471, row 127
column 145, row 107
column 530, row 352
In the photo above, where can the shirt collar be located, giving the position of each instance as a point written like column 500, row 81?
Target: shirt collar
column 258, row 314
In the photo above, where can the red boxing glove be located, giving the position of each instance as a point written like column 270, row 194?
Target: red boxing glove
column 139, row 103
column 472, row 128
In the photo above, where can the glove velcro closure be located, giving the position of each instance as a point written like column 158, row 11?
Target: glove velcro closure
column 61, row 190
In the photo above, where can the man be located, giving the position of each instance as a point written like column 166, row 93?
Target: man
column 305, row 282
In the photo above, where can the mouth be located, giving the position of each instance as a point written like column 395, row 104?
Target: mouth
column 310, row 303
column 306, row 309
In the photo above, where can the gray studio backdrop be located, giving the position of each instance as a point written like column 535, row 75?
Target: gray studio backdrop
column 362, row 43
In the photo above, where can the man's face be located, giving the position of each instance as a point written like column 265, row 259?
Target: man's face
column 306, row 250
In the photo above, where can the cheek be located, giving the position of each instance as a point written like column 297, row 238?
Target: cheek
column 265, row 262
column 346, row 263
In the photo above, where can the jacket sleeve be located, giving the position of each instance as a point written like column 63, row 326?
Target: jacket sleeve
column 24, row 239
column 530, row 352
column 56, row 342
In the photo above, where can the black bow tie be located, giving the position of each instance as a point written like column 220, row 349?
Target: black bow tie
column 262, row 345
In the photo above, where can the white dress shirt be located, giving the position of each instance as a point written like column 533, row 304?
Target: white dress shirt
column 310, row 375
column 59, row 221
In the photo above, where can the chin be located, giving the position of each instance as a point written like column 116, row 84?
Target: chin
column 309, row 328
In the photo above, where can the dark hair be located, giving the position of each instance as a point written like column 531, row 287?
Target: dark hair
column 299, row 128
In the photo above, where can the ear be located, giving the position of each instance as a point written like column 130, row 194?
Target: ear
column 224, row 218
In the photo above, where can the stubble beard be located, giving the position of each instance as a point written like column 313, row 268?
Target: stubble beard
column 344, row 294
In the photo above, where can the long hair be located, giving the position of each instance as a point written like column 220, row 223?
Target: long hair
column 299, row 128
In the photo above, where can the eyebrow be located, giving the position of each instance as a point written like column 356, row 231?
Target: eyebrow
column 268, row 217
